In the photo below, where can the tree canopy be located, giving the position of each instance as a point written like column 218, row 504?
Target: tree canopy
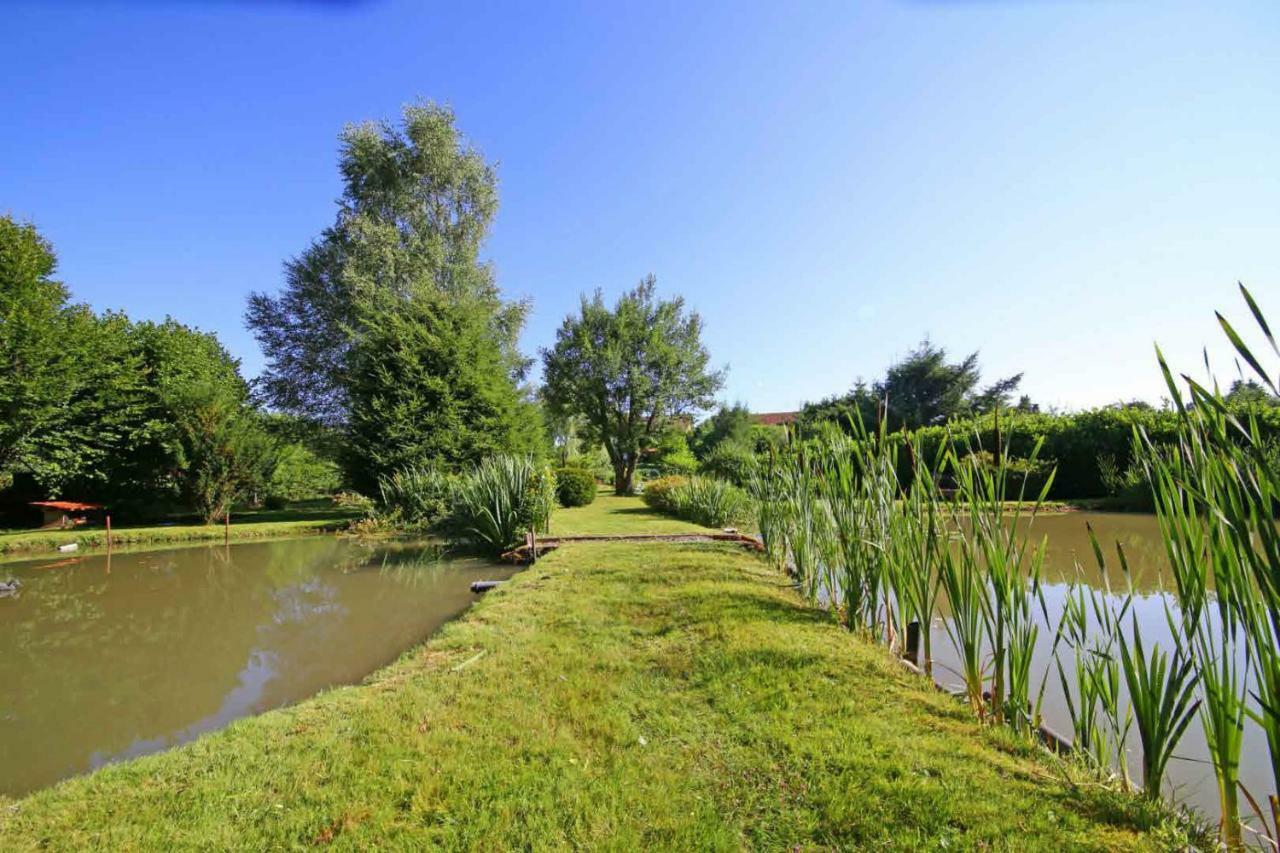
column 923, row 389
column 138, row 415
column 390, row 326
column 626, row 372
column 416, row 207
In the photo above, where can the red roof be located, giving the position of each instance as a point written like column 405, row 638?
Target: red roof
column 71, row 506
column 775, row 418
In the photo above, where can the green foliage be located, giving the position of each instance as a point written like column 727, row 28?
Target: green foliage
column 659, row 494
column 136, row 415
column 628, row 372
column 729, row 461
column 390, row 325
column 225, row 454
column 416, row 207
column 301, row 475
column 499, row 500
column 672, row 454
column 1084, row 444
column 430, row 386
column 728, row 424
column 418, row 495
column 34, row 366
column 923, row 389
column 575, row 486
column 711, row 503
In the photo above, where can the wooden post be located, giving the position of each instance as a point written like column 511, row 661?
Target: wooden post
column 226, row 528
column 108, row 531
column 912, row 652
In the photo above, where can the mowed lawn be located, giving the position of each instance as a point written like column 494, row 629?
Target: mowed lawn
column 617, row 515
column 613, row 696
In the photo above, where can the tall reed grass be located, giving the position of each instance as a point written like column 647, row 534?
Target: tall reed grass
column 880, row 551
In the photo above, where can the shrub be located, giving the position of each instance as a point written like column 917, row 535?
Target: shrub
column 300, row 474
column 1023, row 477
column 275, row 502
column 672, row 455
column 659, row 494
column 731, row 462
column 702, row 500
column 575, row 486
column 499, row 500
column 353, row 500
column 419, row 495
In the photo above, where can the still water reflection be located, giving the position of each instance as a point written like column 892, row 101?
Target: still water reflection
column 108, row 657
column 1189, row 778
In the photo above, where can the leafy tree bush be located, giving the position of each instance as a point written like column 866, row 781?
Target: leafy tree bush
column 429, row 385
column 629, row 372
column 730, row 424
column 924, row 389
column 390, row 326
column 224, row 453
column 659, row 494
column 730, row 461
column 302, row 475
column 672, row 455
column 575, row 486
column 1074, row 443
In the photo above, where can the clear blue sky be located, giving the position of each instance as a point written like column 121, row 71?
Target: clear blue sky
column 1055, row 184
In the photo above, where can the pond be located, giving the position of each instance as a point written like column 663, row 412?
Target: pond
column 1189, row 778
column 105, row 657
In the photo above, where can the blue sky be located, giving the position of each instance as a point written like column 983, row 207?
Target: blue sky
column 1057, row 184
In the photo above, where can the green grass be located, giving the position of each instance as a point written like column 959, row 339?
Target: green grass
column 614, row 695
column 311, row 517
column 614, row 515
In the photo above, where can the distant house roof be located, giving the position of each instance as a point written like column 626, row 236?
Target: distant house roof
column 69, row 506
column 774, row 418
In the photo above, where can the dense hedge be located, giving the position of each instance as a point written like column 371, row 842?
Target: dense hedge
column 1076, row 442
column 575, row 486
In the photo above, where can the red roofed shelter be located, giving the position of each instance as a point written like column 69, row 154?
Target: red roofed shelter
column 60, row 514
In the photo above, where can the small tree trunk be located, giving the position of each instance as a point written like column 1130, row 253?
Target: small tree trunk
column 621, row 478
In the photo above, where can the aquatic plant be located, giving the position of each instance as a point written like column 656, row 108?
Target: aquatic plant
column 501, row 499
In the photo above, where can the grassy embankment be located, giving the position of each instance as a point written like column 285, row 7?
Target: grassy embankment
column 614, row 695
column 298, row 520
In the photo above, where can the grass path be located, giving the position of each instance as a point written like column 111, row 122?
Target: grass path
column 612, row 515
column 616, row 696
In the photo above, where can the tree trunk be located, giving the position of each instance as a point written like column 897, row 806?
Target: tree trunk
column 621, row 478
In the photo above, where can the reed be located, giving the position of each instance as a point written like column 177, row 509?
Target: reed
column 499, row 500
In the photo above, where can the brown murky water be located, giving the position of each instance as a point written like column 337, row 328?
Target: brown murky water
column 108, row 657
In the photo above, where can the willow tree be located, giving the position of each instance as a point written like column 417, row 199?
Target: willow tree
column 629, row 373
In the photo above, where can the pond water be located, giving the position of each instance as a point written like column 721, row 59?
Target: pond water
column 1189, row 777
column 106, row 657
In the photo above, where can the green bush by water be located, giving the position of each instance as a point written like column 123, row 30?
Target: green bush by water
column 499, row 500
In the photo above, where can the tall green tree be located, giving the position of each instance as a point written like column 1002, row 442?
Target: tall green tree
column 923, row 389
column 224, row 453
column 417, row 205
column 34, row 364
column 390, row 325
column 429, row 384
column 627, row 372
column 731, row 424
